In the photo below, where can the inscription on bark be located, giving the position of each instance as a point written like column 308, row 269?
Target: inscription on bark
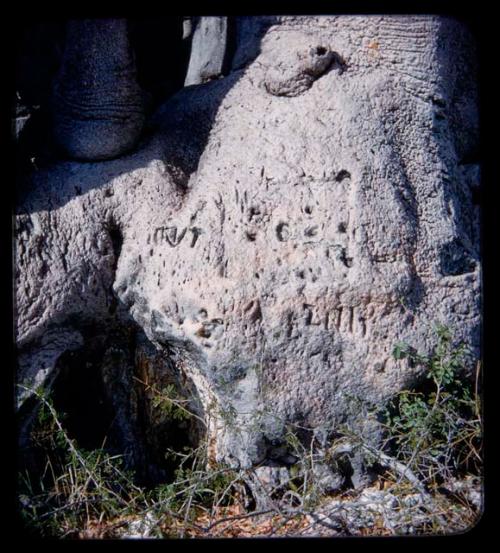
column 173, row 236
column 342, row 319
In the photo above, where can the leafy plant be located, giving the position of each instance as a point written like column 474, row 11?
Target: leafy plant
column 432, row 434
column 437, row 432
column 168, row 403
column 76, row 486
column 82, row 490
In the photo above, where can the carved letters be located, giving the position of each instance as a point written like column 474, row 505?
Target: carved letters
column 173, row 236
column 339, row 319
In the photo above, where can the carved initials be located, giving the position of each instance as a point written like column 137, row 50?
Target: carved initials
column 170, row 235
column 309, row 312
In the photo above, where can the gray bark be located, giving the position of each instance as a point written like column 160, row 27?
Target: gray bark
column 285, row 227
column 208, row 50
column 98, row 110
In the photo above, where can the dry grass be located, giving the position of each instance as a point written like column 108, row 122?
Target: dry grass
column 88, row 495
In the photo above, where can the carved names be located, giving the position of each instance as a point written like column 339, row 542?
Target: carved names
column 173, row 235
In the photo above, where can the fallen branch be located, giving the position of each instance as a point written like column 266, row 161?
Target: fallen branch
column 236, row 517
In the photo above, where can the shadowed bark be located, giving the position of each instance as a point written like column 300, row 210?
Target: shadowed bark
column 97, row 107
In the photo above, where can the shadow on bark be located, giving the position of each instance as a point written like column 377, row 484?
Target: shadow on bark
column 46, row 180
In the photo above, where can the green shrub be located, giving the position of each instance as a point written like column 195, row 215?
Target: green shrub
column 75, row 486
column 433, row 433
column 437, row 431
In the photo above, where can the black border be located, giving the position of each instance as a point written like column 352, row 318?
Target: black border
column 480, row 18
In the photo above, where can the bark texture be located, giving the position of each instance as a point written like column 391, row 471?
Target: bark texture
column 282, row 229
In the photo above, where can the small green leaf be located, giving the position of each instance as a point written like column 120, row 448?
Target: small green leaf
column 400, row 350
